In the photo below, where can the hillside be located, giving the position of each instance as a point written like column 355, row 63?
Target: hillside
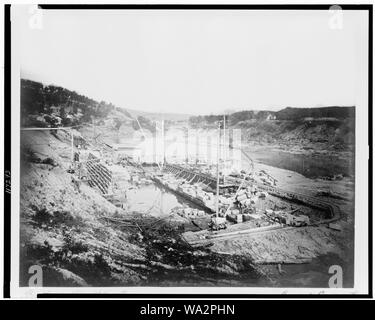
column 51, row 106
column 287, row 114
column 339, row 135
column 159, row 116
column 328, row 113
column 62, row 226
column 327, row 127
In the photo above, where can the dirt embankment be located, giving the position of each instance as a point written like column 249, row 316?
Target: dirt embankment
column 61, row 229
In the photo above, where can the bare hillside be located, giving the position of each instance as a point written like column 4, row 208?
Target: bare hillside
column 61, row 221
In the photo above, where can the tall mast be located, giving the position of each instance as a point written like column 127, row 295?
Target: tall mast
column 217, row 171
column 163, row 139
column 72, row 144
column 225, row 149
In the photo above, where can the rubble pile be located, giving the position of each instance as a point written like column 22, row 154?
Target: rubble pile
column 288, row 218
column 188, row 212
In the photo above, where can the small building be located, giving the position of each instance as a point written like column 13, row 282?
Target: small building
column 271, row 117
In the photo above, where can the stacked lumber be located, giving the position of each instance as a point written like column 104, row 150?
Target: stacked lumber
column 99, row 175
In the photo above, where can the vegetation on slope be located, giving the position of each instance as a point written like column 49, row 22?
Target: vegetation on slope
column 51, row 105
column 332, row 126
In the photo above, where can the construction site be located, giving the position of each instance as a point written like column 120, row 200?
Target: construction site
column 205, row 196
column 234, row 199
column 189, row 148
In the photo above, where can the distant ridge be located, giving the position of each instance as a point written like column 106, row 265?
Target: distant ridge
column 288, row 113
column 338, row 112
column 159, row 116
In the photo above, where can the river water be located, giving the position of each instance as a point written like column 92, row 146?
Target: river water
column 310, row 165
column 153, row 199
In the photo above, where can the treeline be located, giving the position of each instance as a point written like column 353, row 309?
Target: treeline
column 323, row 112
column 231, row 119
column 55, row 105
column 291, row 114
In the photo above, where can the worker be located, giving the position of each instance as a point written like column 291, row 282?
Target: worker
column 76, row 156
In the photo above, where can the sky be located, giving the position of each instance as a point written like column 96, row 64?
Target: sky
column 196, row 62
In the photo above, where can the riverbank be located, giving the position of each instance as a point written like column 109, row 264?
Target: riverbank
column 311, row 163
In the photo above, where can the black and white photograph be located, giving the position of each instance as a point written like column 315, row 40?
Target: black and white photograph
column 176, row 150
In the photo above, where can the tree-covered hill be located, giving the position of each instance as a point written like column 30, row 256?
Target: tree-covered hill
column 332, row 127
column 287, row 114
column 316, row 113
column 46, row 105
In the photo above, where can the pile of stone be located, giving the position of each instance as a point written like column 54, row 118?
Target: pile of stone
column 190, row 212
column 248, row 197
